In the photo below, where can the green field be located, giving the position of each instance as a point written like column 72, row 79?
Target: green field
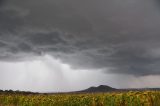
column 132, row 98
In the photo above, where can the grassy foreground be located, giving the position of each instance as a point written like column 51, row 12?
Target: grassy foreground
column 132, row 98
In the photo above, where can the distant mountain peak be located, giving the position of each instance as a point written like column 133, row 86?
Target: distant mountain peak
column 100, row 88
column 103, row 86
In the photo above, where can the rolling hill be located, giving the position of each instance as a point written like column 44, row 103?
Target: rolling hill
column 101, row 88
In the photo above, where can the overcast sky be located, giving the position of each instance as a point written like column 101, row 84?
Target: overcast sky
column 67, row 45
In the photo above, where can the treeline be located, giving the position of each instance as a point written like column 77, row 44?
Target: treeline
column 17, row 92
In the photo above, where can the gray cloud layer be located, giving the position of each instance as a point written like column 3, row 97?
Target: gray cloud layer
column 119, row 36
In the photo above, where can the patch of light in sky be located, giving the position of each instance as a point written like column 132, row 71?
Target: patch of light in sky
column 47, row 74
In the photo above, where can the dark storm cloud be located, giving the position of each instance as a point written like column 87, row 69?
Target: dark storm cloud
column 118, row 36
column 2, row 2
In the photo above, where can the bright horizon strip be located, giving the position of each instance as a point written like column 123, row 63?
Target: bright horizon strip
column 47, row 74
